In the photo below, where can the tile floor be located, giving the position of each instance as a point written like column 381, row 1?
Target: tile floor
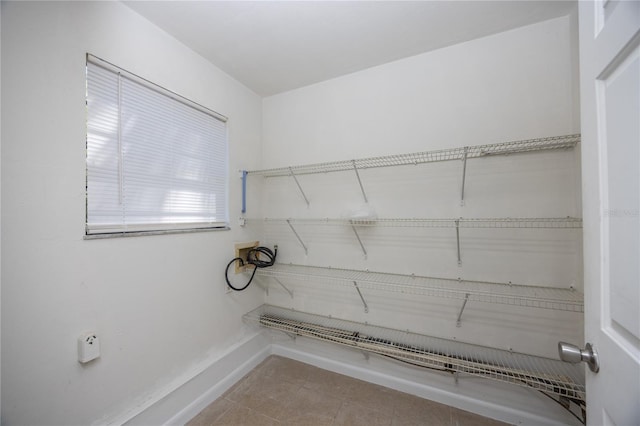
column 281, row 391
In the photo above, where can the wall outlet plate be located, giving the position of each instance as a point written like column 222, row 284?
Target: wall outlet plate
column 88, row 347
column 242, row 251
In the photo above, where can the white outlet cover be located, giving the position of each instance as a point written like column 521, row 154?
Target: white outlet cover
column 88, row 347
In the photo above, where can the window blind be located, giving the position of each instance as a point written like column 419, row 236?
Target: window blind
column 155, row 161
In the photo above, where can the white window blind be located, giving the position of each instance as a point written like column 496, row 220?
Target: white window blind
column 155, row 161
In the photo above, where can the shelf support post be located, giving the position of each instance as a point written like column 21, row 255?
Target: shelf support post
column 306, row 200
column 359, row 240
column 459, row 321
column 283, row 286
column 366, row 308
column 297, row 236
column 464, row 173
column 244, row 191
column 458, row 241
column 355, row 169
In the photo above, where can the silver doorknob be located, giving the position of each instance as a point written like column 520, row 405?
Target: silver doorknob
column 572, row 353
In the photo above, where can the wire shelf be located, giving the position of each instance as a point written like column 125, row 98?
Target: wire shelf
column 504, row 148
column 554, row 298
column 544, row 374
column 522, row 222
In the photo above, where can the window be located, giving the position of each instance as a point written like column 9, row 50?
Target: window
column 155, row 161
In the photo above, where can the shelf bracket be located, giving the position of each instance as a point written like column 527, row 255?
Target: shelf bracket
column 265, row 287
column 283, row 286
column 459, row 321
column 359, row 240
column 244, row 191
column 299, row 187
column 297, row 236
column 464, row 173
column 355, row 169
column 366, row 308
column 457, row 221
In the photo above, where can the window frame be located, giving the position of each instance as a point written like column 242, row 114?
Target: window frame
column 96, row 231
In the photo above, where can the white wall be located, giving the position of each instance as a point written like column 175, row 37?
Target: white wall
column 515, row 85
column 157, row 303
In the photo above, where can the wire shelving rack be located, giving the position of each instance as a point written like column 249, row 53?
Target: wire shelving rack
column 553, row 298
column 459, row 153
column 555, row 378
column 506, row 222
column 456, row 223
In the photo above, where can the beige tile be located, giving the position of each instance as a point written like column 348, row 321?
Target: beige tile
column 242, row 416
column 358, row 415
column 266, row 387
column 465, row 418
column 211, row 413
column 276, row 408
column 244, row 384
column 281, row 391
column 411, row 410
column 285, row 369
column 330, row 383
column 370, row 395
column 310, row 407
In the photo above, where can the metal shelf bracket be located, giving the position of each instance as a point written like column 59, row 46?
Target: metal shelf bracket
column 464, row 303
column 283, row 286
column 359, row 240
column 553, row 377
column 355, row 169
column 244, row 191
column 306, row 200
column 457, row 222
column 306, row 251
column 464, row 173
column 366, row 307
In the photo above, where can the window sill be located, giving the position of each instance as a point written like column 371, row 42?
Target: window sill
column 148, row 233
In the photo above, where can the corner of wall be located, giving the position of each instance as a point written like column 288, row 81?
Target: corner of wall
column 189, row 394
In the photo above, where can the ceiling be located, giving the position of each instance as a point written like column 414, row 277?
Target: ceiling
column 276, row 46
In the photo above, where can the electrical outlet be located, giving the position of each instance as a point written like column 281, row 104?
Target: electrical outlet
column 88, row 347
column 242, row 251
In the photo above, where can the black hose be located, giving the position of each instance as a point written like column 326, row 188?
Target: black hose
column 253, row 258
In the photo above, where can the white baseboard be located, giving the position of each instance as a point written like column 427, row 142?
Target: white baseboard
column 187, row 399
column 500, row 401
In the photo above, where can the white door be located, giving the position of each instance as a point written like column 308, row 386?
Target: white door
column 610, row 117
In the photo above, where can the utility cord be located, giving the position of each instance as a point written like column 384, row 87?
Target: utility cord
column 253, row 258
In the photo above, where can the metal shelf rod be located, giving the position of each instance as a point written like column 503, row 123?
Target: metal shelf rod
column 458, row 241
column 306, row 251
column 503, row 148
column 548, row 375
column 464, row 174
column 355, row 231
column 355, row 169
column 503, row 222
column 459, row 320
column 366, row 307
column 299, row 187
column 283, row 286
column 553, row 298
